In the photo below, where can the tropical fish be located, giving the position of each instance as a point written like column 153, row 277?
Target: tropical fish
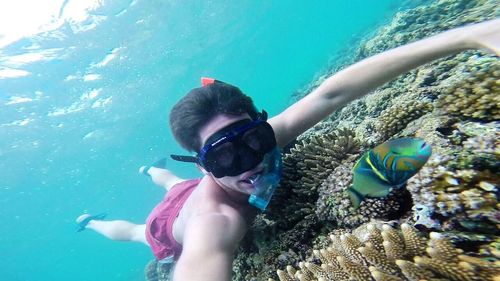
column 387, row 166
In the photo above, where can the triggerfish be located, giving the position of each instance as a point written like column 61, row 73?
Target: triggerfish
column 387, row 166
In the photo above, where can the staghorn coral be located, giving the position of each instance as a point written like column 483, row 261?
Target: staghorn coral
column 418, row 258
column 477, row 96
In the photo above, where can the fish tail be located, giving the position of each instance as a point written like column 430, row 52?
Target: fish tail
column 355, row 196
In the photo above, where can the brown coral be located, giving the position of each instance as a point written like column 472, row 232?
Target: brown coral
column 463, row 198
column 444, row 260
column 395, row 118
column 476, row 97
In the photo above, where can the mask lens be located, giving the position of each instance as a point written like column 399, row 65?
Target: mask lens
column 252, row 139
column 222, row 155
column 260, row 138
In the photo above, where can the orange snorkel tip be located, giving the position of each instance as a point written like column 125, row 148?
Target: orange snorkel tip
column 207, row 81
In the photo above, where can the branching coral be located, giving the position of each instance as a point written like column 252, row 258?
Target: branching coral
column 389, row 255
column 305, row 167
column 396, row 117
column 476, row 97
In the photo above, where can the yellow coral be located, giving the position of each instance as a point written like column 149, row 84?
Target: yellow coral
column 415, row 244
column 341, row 262
column 395, row 118
column 476, row 97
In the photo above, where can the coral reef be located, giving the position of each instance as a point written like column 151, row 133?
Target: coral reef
column 461, row 198
column 476, row 97
column 395, row 118
column 457, row 190
column 334, row 205
column 382, row 253
column 155, row 271
column 290, row 222
column 305, row 167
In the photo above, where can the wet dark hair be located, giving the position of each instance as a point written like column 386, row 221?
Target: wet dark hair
column 202, row 104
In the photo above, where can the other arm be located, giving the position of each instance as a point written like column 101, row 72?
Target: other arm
column 363, row 77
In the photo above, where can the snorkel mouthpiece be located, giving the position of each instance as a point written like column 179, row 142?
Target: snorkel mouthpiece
column 253, row 179
column 265, row 183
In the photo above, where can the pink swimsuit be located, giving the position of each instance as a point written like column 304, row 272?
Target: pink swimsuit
column 159, row 224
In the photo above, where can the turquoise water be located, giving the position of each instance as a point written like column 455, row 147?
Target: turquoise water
column 84, row 103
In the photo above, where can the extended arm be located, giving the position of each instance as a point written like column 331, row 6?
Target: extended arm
column 209, row 244
column 368, row 74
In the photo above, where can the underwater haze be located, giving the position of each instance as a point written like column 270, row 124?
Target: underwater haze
column 85, row 92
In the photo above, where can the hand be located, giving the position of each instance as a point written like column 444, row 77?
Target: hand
column 484, row 35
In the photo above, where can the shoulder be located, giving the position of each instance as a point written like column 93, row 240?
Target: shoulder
column 222, row 230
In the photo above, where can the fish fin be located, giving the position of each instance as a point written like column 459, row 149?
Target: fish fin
column 355, row 196
column 361, row 164
column 382, row 191
column 376, row 168
column 367, row 183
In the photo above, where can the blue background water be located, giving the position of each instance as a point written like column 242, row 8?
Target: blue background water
column 92, row 107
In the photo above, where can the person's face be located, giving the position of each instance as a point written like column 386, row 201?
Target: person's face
column 239, row 183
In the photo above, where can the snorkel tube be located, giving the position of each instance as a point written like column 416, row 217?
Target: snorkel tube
column 265, row 183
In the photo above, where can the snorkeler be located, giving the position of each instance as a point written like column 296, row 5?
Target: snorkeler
column 200, row 222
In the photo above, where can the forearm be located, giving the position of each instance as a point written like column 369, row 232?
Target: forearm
column 368, row 74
